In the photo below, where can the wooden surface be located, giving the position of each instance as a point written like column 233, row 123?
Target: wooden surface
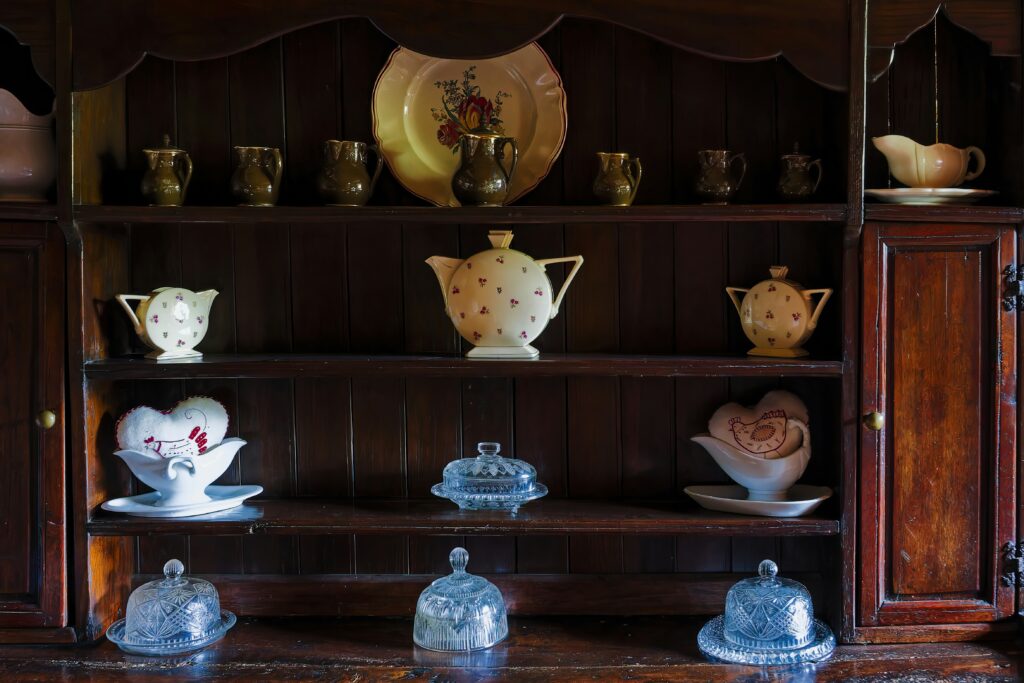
column 537, row 649
column 258, row 365
column 442, row 517
column 33, row 23
column 32, row 503
column 814, row 41
column 367, row 216
column 938, row 481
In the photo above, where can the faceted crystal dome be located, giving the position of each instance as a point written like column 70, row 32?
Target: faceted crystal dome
column 489, row 481
column 171, row 615
column 768, row 620
column 460, row 612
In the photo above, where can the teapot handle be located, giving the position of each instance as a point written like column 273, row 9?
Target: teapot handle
column 186, row 163
column 979, row 159
column 825, row 294
column 543, row 263
column 380, row 165
column 123, row 300
column 731, row 291
column 638, row 172
column 816, row 164
column 184, row 461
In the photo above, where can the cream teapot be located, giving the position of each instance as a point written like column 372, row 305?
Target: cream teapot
column 170, row 320
column 500, row 300
column 777, row 315
column 938, row 165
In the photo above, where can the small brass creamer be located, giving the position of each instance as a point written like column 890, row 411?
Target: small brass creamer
column 167, row 175
column 618, row 178
column 482, row 178
column 344, row 179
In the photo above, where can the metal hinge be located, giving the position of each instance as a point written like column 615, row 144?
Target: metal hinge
column 1013, row 564
column 1013, row 299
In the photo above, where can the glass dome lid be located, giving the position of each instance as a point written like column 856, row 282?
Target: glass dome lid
column 172, row 615
column 460, row 612
column 489, row 481
column 768, row 620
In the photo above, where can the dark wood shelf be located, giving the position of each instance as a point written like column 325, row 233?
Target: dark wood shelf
column 440, row 517
column 556, row 649
column 27, row 211
column 548, row 365
column 948, row 213
column 471, row 215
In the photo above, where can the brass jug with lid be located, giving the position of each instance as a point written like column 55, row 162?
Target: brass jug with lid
column 167, row 175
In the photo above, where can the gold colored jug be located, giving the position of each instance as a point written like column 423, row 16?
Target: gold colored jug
column 257, row 180
column 343, row 179
column 618, row 178
column 168, row 172
column 715, row 183
column 482, row 179
column 795, row 182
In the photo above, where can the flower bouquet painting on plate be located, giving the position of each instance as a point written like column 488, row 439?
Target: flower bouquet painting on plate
column 422, row 106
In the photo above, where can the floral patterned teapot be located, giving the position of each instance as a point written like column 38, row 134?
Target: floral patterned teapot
column 170, row 320
column 500, row 299
column 777, row 314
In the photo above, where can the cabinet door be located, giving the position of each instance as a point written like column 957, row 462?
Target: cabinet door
column 938, row 491
column 32, row 556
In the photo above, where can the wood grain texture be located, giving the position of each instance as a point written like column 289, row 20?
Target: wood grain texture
column 935, row 480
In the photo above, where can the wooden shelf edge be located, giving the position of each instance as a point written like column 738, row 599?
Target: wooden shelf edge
column 949, row 213
column 25, row 211
column 429, row 517
column 548, row 365
column 466, row 215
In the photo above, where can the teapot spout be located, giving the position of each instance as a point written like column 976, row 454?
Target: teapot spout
column 901, row 153
column 444, row 269
column 207, row 296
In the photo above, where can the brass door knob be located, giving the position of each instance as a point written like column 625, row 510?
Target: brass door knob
column 874, row 421
column 46, row 419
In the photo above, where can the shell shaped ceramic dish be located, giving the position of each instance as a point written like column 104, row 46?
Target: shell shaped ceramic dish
column 409, row 137
column 762, row 430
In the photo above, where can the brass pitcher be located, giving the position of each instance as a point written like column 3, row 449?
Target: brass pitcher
column 343, row 179
column 257, row 180
column 795, row 182
column 715, row 183
column 482, row 179
column 168, row 172
column 618, row 178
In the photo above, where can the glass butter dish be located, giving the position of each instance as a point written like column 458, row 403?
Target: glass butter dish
column 489, row 481
column 171, row 616
column 460, row 612
column 768, row 621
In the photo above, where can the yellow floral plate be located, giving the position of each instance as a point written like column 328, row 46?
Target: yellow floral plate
column 421, row 106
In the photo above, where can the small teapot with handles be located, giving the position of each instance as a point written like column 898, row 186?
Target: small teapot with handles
column 500, row 299
column 170, row 320
column 168, row 172
column 777, row 315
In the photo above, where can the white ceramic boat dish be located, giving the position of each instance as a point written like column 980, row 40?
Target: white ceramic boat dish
column 764, row 478
column 181, row 480
column 800, row 500
column 150, row 505
column 927, row 196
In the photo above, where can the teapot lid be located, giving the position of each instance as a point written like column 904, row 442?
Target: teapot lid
column 171, row 615
column 461, row 611
column 500, row 239
column 165, row 148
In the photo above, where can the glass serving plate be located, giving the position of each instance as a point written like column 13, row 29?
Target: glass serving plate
column 171, row 616
column 768, row 621
column 460, row 612
column 489, row 481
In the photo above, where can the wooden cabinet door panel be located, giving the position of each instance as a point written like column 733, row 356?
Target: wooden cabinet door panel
column 938, row 480
column 32, row 556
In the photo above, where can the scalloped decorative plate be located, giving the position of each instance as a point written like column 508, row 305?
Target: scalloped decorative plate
column 408, row 134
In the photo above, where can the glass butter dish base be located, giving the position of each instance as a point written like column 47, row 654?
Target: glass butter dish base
column 489, row 481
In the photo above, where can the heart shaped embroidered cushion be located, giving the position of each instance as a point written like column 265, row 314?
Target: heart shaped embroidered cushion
column 761, row 430
column 190, row 428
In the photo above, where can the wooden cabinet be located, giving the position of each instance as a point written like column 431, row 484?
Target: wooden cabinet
column 937, row 479
column 32, row 542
